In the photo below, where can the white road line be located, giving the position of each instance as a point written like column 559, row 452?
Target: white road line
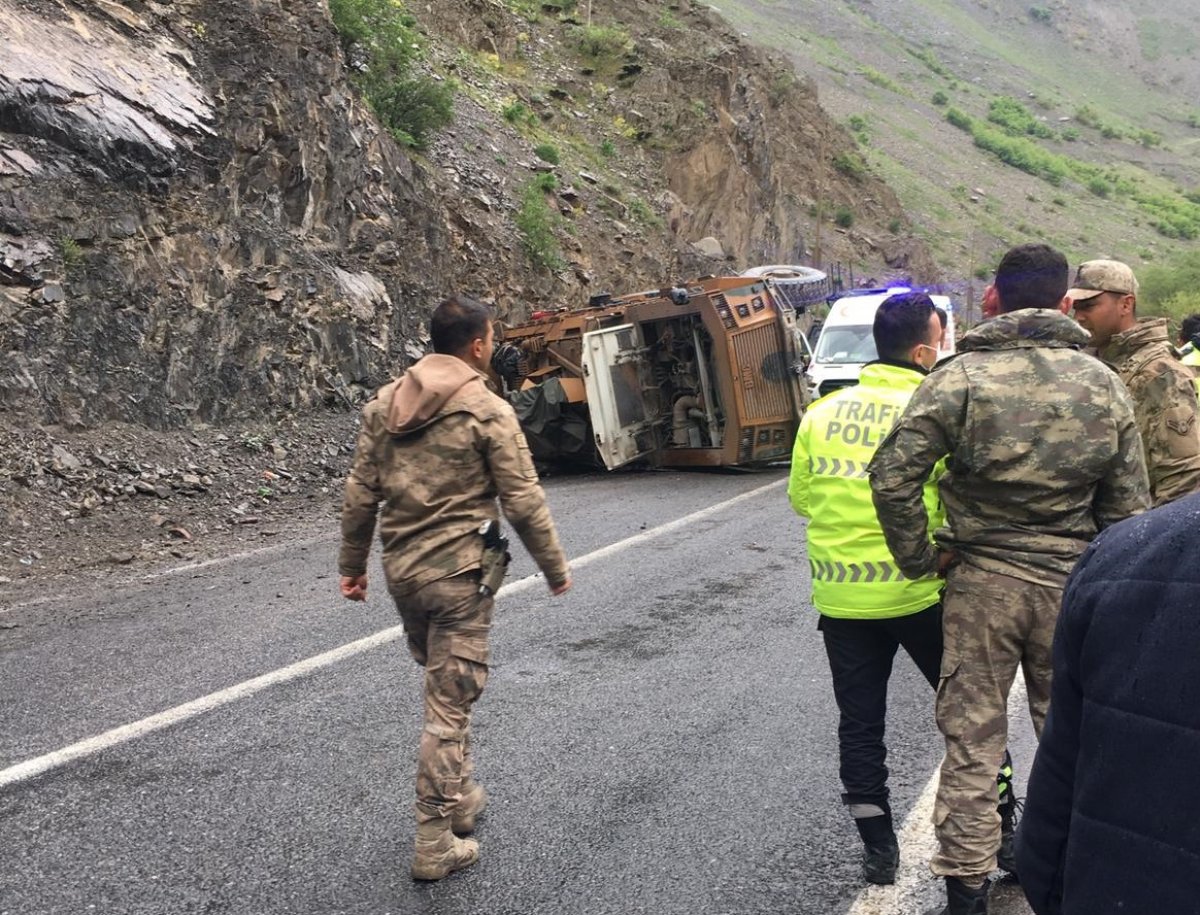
column 38, row 765
column 196, row 566
column 918, row 843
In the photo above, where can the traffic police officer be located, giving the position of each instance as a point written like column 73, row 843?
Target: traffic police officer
column 868, row 608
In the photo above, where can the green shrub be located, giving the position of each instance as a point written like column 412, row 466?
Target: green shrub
column 641, row 211
column 381, row 42
column 601, row 43
column 1174, row 217
column 959, row 119
column 1041, row 14
column 1021, row 153
column 875, row 78
column 1016, row 119
column 547, row 153
column 70, row 251
column 1070, row 134
column 414, row 108
column 1099, row 187
column 607, row 149
column 928, row 58
column 668, row 20
column 895, row 224
column 528, row 9
column 857, row 123
column 940, row 98
column 1088, row 116
column 537, row 222
column 851, row 165
column 1164, row 285
column 515, row 112
column 843, row 217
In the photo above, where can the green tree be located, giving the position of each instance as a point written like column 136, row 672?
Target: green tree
column 1172, row 290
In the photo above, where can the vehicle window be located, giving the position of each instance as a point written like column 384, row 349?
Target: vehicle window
column 846, row 344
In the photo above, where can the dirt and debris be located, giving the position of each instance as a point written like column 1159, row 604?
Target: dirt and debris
column 122, row 499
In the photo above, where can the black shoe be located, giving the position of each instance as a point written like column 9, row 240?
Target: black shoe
column 881, row 854
column 1009, row 807
column 962, row 899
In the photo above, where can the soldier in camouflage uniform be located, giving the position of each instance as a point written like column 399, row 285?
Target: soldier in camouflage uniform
column 1042, row 452
column 437, row 448
column 1104, row 294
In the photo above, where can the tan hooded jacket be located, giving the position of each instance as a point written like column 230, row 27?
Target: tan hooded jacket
column 437, row 448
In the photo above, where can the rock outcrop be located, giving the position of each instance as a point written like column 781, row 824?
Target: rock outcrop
column 201, row 221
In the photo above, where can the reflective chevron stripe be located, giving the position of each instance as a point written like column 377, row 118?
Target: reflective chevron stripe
column 837, row 467
column 854, row 572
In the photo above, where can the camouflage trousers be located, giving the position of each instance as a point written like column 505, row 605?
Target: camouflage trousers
column 992, row 625
column 447, row 624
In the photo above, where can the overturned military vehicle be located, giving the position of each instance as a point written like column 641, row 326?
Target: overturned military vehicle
column 707, row 374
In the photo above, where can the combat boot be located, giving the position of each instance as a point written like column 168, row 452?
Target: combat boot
column 474, row 802
column 881, row 851
column 440, row 852
column 1006, row 856
column 962, row 899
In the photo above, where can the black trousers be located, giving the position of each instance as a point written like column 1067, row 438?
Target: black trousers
column 860, row 658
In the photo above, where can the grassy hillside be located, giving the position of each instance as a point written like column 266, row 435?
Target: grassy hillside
column 1077, row 124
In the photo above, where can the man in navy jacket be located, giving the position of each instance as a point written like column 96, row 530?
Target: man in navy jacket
column 1112, row 816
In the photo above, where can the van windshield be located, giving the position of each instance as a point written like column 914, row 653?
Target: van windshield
column 848, row 343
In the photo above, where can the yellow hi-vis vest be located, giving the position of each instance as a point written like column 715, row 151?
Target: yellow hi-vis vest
column 1191, row 358
column 853, row 573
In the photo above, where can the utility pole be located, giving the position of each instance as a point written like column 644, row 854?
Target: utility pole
column 820, row 207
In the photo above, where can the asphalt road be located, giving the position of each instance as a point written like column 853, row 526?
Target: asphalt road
column 660, row 740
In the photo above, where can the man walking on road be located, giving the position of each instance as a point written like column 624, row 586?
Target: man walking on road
column 437, row 448
column 1104, row 294
column 868, row 609
column 1042, row 452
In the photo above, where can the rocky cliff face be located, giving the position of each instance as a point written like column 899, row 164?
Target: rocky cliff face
column 200, row 221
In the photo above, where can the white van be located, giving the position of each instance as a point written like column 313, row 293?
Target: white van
column 846, row 342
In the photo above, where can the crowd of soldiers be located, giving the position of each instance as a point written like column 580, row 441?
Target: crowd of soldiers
column 1008, row 460
column 949, row 527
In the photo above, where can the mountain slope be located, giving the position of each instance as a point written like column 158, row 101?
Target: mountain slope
column 1111, row 85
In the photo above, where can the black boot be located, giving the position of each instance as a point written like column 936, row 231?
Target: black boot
column 962, row 899
column 881, row 855
column 1006, row 856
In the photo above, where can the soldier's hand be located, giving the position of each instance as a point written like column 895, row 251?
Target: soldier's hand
column 353, row 587
column 561, row 589
column 947, row 559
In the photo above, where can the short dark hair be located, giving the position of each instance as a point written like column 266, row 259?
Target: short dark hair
column 1032, row 276
column 1189, row 329
column 901, row 322
column 943, row 317
column 456, row 322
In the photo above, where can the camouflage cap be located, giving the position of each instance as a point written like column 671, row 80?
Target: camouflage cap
column 1095, row 277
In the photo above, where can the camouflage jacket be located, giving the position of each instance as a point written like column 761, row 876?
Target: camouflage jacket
column 1042, row 452
column 1164, row 399
column 436, row 449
